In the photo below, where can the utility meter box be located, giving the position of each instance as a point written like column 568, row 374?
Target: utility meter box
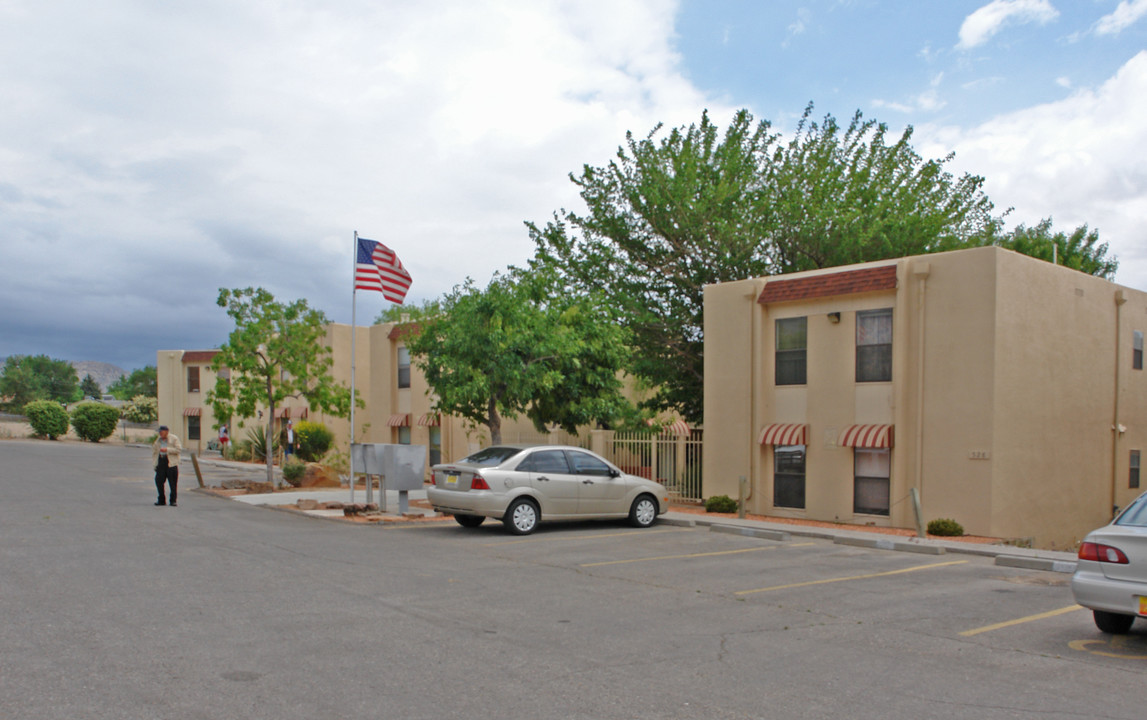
column 403, row 466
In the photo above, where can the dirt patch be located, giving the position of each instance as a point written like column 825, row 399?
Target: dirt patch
column 16, row 430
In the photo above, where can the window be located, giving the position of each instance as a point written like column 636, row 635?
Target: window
column 792, row 341
column 788, row 476
column 435, row 445
column 1133, row 480
column 404, row 436
column 584, row 464
column 193, row 378
column 1137, row 351
column 545, row 461
column 874, row 345
column 403, row 367
column 870, row 489
column 192, row 428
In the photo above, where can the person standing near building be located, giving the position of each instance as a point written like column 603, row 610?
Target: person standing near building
column 290, row 438
column 224, row 438
column 165, row 459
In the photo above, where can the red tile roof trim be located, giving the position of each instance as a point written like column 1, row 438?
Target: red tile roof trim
column 398, row 332
column 199, row 356
column 849, row 282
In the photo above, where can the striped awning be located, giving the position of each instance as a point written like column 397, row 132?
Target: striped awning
column 678, row 427
column 282, row 412
column 430, row 419
column 399, row 420
column 784, row 434
column 192, row 412
column 866, row 436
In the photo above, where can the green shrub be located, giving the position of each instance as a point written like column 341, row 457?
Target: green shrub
column 48, row 418
column 94, row 421
column 240, row 450
column 720, row 504
column 293, row 472
column 945, row 527
column 312, row 440
column 257, row 438
column 142, row 409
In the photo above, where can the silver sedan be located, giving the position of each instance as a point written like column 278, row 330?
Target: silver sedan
column 1111, row 577
column 521, row 485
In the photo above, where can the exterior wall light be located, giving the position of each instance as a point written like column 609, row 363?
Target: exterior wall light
column 834, row 317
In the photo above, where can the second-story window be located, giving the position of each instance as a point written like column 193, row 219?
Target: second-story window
column 792, row 345
column 403, row 367
column 874, row 345
column 1137, row 350
column 193, row 378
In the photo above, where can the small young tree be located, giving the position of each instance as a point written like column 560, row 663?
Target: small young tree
column 48, row 418
column 94, row 421
column 313, row 440
column 90, row 388
column 140, row 382
column 277, row 350
column 142, row 409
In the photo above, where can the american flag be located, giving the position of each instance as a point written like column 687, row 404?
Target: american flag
column 378, row 268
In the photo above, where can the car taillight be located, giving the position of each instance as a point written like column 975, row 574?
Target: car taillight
column 479, row 483
column 1098, row 552
column 432, row 480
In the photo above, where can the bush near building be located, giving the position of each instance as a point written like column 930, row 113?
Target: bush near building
column 94, row 421
column 48, row 418
column 945, row 527
column 313, row 440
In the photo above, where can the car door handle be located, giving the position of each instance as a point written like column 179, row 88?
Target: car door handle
column 587, row 482
column 543, row 477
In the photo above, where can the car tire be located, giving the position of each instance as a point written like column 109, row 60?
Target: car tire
column 521, row 517
column 643, row 512
column 1113, row 623
column 470, row 521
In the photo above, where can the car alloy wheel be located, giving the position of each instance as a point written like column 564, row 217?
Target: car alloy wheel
column 522, row 517
column 643, row 512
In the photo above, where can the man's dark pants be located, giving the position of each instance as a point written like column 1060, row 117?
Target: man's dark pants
column 168, row 474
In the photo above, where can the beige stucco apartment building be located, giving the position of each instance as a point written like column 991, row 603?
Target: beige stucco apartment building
column 398, row 408
column 1009, row 392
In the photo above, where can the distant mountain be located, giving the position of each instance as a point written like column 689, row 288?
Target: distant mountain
column 103, row 373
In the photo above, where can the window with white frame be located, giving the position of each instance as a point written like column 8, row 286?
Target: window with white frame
column 871, row 481
column 788, row 476
column 874, row 345
column 792, row 349
column 403, row 367
column 193, row 431
column 193, row 378
column 435, row 445
column 403, row 436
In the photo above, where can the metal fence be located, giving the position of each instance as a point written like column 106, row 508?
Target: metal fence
column 672, row 460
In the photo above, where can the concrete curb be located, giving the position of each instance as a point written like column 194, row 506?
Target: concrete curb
column 760, row 533
column 889, row 544
column 1035, row 563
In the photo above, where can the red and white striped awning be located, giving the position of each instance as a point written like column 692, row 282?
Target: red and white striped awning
column 784, row 434
column 192, row 412
column 282, row 412
column 678, row 427
column 866, row 436
column 430, row 419
column 399, row 420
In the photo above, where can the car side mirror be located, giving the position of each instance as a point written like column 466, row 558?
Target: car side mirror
column 614, row 473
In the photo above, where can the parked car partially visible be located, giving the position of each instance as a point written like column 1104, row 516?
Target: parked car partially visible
column 523, row 485
column 1111, row 576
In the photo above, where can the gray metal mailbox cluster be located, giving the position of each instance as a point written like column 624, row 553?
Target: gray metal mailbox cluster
column 402, row 468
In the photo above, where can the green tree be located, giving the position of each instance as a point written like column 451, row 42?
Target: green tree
column 520, row 346
column 676, row 211
column 142, row 409
column 94, row 421
column 38, row 377
column 141, row 382
column 409, row 313
column 90, row 388
column 48, row 418
column 1081, row 250
column 276, row 351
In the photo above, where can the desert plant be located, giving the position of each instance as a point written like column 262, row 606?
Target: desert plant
column 48, row 418
column 312, row 440
column 94, row 421
column 720, row 504
column 142, row 409
column 945, row 527
column 239, row 450
column 257, row 438
column 339, row 462
column 293, row 472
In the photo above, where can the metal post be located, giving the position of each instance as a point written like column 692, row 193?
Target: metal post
column 198, row 472
column 353, row 328
column 920, row 531
column 741, row 482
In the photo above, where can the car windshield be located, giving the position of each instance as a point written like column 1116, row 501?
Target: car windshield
column 1136, row 514
column 491, row 456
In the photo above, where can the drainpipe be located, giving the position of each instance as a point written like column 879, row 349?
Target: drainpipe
column 921, row 271
column 754, row 385
column 1116, row 428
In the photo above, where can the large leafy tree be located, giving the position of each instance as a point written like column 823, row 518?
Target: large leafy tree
column 678, row 210
column 38, row 377
column 276, row 351
column 1081, row 250
column 520, row 346
column 141, row 381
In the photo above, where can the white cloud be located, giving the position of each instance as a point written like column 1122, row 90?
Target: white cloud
column 1075, row 160
column 1127, row 13
column 985, row 22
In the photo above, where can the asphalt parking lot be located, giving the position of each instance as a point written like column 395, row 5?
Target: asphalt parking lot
column 118, row 609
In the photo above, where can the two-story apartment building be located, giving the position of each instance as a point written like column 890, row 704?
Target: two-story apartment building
column 1007, row 391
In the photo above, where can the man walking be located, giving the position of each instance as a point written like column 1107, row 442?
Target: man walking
column 165, row 459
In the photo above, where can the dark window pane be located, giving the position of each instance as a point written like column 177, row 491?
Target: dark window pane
column 543, row 461
column 584, row 464
column 492, row 456
column 791, row 358
column 871, row 481
column 403, row 367
column 1134, row 475
column 192, row 428
column 874, row 346
column 789, row 476
column 193, row 379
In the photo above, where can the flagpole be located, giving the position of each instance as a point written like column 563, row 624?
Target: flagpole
column 353, row 333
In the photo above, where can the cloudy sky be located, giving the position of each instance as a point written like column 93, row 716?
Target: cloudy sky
column 151, row 153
